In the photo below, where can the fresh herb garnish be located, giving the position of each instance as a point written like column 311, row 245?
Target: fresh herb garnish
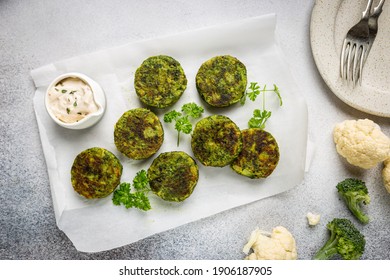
column 260, row 117
column 184, row 125
column 254, row 90
column 137, row 199
column 68, row 110
column 63, row 91
column 171, row 116
column 192, row 110
column 75, row 104
column 182, row 119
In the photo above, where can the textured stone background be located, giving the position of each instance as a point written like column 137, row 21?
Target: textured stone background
column 35, row 33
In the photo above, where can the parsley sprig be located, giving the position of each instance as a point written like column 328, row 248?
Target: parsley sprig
column 182, row 119
column 260, row 117
column 137, row 199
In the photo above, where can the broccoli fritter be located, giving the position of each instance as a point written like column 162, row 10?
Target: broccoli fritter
column 160, row 81
column 259, row 155
column 216, row 141
column 138, row 134
column 221, row 81
column 173, row 176
column 95, row 173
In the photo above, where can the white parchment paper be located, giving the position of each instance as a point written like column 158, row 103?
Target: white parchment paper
column 99, row 225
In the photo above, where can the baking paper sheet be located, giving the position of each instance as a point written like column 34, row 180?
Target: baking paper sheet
column 97, row 225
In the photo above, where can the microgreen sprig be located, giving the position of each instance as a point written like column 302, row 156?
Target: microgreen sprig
column 182, row 119
column 260, row 117
column 254, row 90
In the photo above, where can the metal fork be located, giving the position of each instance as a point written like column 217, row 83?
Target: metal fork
column 373, row 25
column 355, row 46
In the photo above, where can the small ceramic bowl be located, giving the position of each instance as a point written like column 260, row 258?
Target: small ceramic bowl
column 98, row 96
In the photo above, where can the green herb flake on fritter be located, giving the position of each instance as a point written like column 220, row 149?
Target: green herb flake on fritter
column 160, row 81
column 173, row 176
column 216, row 141
column 95, row 173
column 138, row 133
column 221, row 81
column 259, row 155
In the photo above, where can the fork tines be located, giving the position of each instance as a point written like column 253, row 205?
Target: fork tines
column 352, row 60
column 355, row 47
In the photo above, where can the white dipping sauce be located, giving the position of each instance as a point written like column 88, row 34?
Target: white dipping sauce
column 71, row 100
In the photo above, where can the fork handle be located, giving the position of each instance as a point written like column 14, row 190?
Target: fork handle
column 378, row 9
column 367, row 11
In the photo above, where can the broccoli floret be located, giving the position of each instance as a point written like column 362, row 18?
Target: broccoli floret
column 355, row 193
column 345, row 240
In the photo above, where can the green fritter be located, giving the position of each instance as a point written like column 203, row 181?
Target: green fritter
column 160, row 81
column 221, row 81
column 95, row 173
column 173, row 176
column 259, row 155
column 138, row 134
column 216, row 141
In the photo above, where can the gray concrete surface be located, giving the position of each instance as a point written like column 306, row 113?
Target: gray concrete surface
column 35, row 33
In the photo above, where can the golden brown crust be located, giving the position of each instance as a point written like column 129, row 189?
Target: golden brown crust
column 160, row 81
column 216, row 141
column 95, row 173
column 173, row 175
column 138, row 134
column 221, row 81
column 259, row 155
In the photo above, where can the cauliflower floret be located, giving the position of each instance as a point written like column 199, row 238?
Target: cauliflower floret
column 278, row 245
column 361, row 142
column 386, row 175
column 313, row 219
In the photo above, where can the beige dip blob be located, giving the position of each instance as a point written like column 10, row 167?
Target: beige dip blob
column 71, row 100
column 75, row 101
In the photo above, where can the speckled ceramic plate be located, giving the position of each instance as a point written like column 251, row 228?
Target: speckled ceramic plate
column 330, row 22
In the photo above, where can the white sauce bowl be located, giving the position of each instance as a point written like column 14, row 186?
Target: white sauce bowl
column 98, row 95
